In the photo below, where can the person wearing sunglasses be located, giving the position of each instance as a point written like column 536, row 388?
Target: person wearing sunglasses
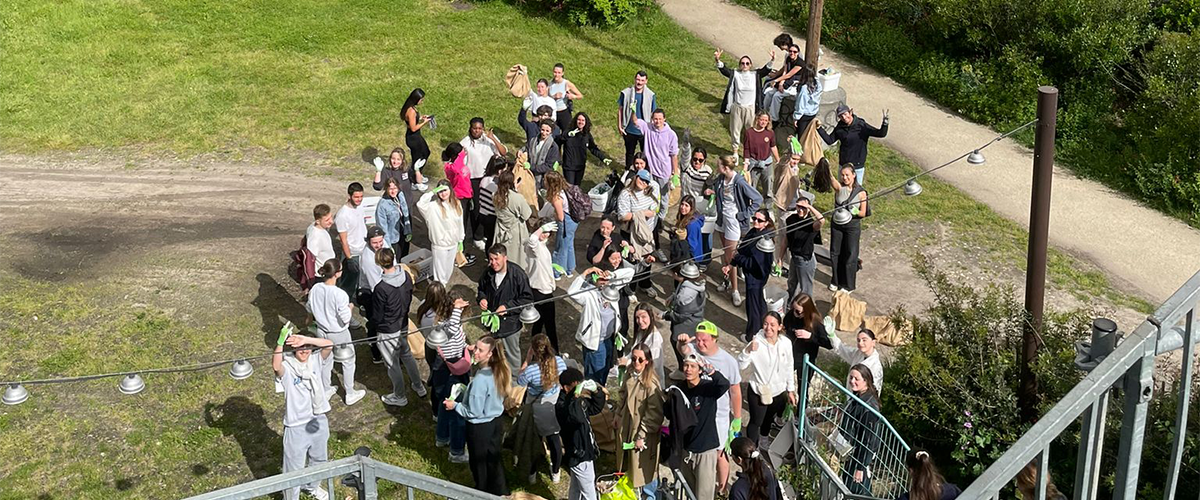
column 754, row 257
column 743, row 97
column 783, row 83
column 696, row 177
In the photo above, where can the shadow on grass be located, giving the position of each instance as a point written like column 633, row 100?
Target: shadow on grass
column 245, row 422
column 276, row 305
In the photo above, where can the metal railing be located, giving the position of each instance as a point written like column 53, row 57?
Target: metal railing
column 838, row 433
column 1127, row 370
column 366, row 472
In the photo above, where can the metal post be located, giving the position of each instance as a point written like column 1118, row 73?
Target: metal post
column 369, row 482
column 1138, row 387
column 812, row 44
column 1181, row 411
column 1039, row 491
column 1039, row 225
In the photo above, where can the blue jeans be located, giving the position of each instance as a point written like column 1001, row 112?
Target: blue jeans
column 595, row 363
column 564, row 250
column 858, row 174
column 451, row 426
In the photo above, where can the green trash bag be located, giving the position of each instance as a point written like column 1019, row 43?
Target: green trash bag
column 621, row 490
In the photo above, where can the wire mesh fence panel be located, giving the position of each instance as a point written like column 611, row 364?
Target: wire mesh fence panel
column 845, row 448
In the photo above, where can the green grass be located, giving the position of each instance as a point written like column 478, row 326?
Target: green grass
column 287, row 80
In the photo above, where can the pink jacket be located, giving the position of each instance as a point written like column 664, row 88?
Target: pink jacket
column 459, row 176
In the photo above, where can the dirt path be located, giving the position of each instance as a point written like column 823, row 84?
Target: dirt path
column 1144, row 251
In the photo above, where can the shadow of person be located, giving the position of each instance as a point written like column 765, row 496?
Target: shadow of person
column 244, row 420
column 276, row 305
column 656, row 71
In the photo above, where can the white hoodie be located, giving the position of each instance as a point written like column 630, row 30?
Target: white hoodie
column 445, row 230
column 330, row 306
column 773, row 371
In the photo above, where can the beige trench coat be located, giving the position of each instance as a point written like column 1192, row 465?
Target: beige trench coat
column 641, row 418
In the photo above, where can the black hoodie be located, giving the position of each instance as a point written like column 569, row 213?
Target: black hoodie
column 390, row 302
column 853, row 137
column 579, row 444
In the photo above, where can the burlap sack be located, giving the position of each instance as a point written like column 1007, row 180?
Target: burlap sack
column 847, row 311
column 886, row 332
column 787, row 184
column 517, row 81
column 516, row 395
column 416, row 341
column 605, row 426
column 526, row 184
column 811, row 142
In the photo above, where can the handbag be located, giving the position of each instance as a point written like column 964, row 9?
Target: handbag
column 460, row 367
column 416, row 341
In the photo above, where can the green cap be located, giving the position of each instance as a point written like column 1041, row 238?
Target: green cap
column 707, row 327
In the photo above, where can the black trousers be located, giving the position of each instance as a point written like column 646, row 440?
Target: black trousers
column 364, row 301
column 487, row 229
column 756, row 311
column 573, row 176
column 633, row 142
column 563, row 120
column 484, row 442
column 470, row 210
column 761, row 415
column 843, row 251
column 802, row 123
column 476, row 222
column 401, row 248
column 546, row 322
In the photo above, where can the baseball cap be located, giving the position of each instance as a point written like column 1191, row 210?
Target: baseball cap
column 707, row 327
column 375, row 232
column 842, row 108
column 645, row 175
column 693, row 358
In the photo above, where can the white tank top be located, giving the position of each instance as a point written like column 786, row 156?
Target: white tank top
column 559, row 104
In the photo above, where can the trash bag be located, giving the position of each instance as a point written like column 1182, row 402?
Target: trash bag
column 621, row 490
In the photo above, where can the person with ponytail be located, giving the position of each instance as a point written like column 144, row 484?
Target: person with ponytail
column 330, row 307
column 641, row 413
column 482, row 406
column 539, row 376
column 925, row 482
column 757, row 480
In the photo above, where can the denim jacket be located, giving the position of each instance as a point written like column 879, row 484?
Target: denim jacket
column 393, row 216
column 747, row 199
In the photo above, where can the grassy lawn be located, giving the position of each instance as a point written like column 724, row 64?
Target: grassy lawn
column 291, row 79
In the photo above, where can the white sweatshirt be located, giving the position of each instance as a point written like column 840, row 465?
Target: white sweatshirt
column 330, row 306
column 853, row 356
column 445, row 230
column 773, row 371
column 320, row 244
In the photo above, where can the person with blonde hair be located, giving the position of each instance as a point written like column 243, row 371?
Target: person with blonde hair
column 641, row 411
column 539, row 375
column 482, row 406
column 444, row 218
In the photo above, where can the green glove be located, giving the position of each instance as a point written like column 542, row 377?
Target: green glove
column 830, row 327
column 608, row 161
column 558, row 269
column 627, row 446
column 285, row 332
column 795, row 144
column 527, row 166
column 408, row 237
column 619, row 342
column 788, row 412
column 735, row 429
column 439, row 189
column 854, row 209
column 460, row 246
column 557, row 168
column 675, row 180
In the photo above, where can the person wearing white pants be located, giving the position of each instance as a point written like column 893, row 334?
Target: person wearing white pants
column 330, row 308
column 444, row 218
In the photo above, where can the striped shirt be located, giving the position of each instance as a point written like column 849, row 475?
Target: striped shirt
column 629, row 201
column 456, row 337
column 531, row 378
column 487, row 189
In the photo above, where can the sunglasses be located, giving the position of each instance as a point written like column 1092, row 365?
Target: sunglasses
column 759, row 219
column 697, row 160
column 744, row 63
column 638, row 360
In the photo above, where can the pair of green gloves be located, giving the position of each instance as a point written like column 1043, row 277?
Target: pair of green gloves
column 490, row 320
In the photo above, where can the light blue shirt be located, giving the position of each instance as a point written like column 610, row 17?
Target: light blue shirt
column 483, row 403
column 531, row 378
column 808, row 103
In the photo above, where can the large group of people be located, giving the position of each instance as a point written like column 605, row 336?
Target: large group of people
column 518, row 210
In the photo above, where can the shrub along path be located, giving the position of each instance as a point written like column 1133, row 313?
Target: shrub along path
column 1144, row 251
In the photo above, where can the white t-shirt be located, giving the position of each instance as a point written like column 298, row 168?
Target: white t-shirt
column 371, row 274
column 350, row 221
column 534, row 102
column 729, row 367
column 330, row 307
column 297, row 394
column 320, row 244
column 744, row 83
column 479, row 153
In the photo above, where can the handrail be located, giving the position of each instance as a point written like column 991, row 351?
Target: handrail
column 809, row 366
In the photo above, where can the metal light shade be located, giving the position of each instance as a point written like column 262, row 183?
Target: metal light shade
column 911, row 188
column 976, row 158
column 241, row 370
column 132, row 384
column 437, row 336
column 343, row 353
column 689, row 270
column 610, row 294
column 842, row 196
column 15, row 394
column 765, row 245
column 530, row 315
column 842, row 216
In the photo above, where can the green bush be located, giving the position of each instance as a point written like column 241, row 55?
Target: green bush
column 603, row 13
column 953, row 388
column 1177, row 15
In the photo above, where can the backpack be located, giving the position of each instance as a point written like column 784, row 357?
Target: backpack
column 579, row 202
column 302, row 267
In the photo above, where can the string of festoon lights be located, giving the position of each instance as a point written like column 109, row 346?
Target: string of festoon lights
column 242, row 367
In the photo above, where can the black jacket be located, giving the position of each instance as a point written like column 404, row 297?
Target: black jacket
column 810, row 347
column 680, row 420
column 575, row 149
column 703, row 399
column 390, row 302
column 512, row 293
column 579, row 444
column 756, row 263
column 853, row 137
column 531, row 127
column 858, row 426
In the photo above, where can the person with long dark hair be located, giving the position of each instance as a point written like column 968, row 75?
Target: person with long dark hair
column 803, row 326
column 863, row 353
column 641, row 413
column 487, row 191
column 413, row 122
column 925, row 482
column 857, row 424
column 539, row 375
column 803, row 233
column 844, row 238
column 772, row 377
column 808, row 98
column 576, row 143
column 691, row 222
column 512, row 210
column 459, row 175
column 563, row 92
column 695, row 179
column 646, row 334
column 395, row 217
column 754, row 257
column 482, row 406
column 757, row 480
column 449, row 364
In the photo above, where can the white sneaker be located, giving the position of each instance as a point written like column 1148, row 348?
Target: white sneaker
column 737, row 298
column 421, row 186
column 555, row 477
column 355, row 396
column 532, row 478
column 460, row 459
column 480, row 246
column 319, row 493
column 833, row 287
column 421, row 393
column 393, row 400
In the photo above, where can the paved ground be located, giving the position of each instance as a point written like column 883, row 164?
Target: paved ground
column 1143, row 251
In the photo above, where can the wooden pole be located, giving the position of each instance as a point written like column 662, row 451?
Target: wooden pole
column 812, row 45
